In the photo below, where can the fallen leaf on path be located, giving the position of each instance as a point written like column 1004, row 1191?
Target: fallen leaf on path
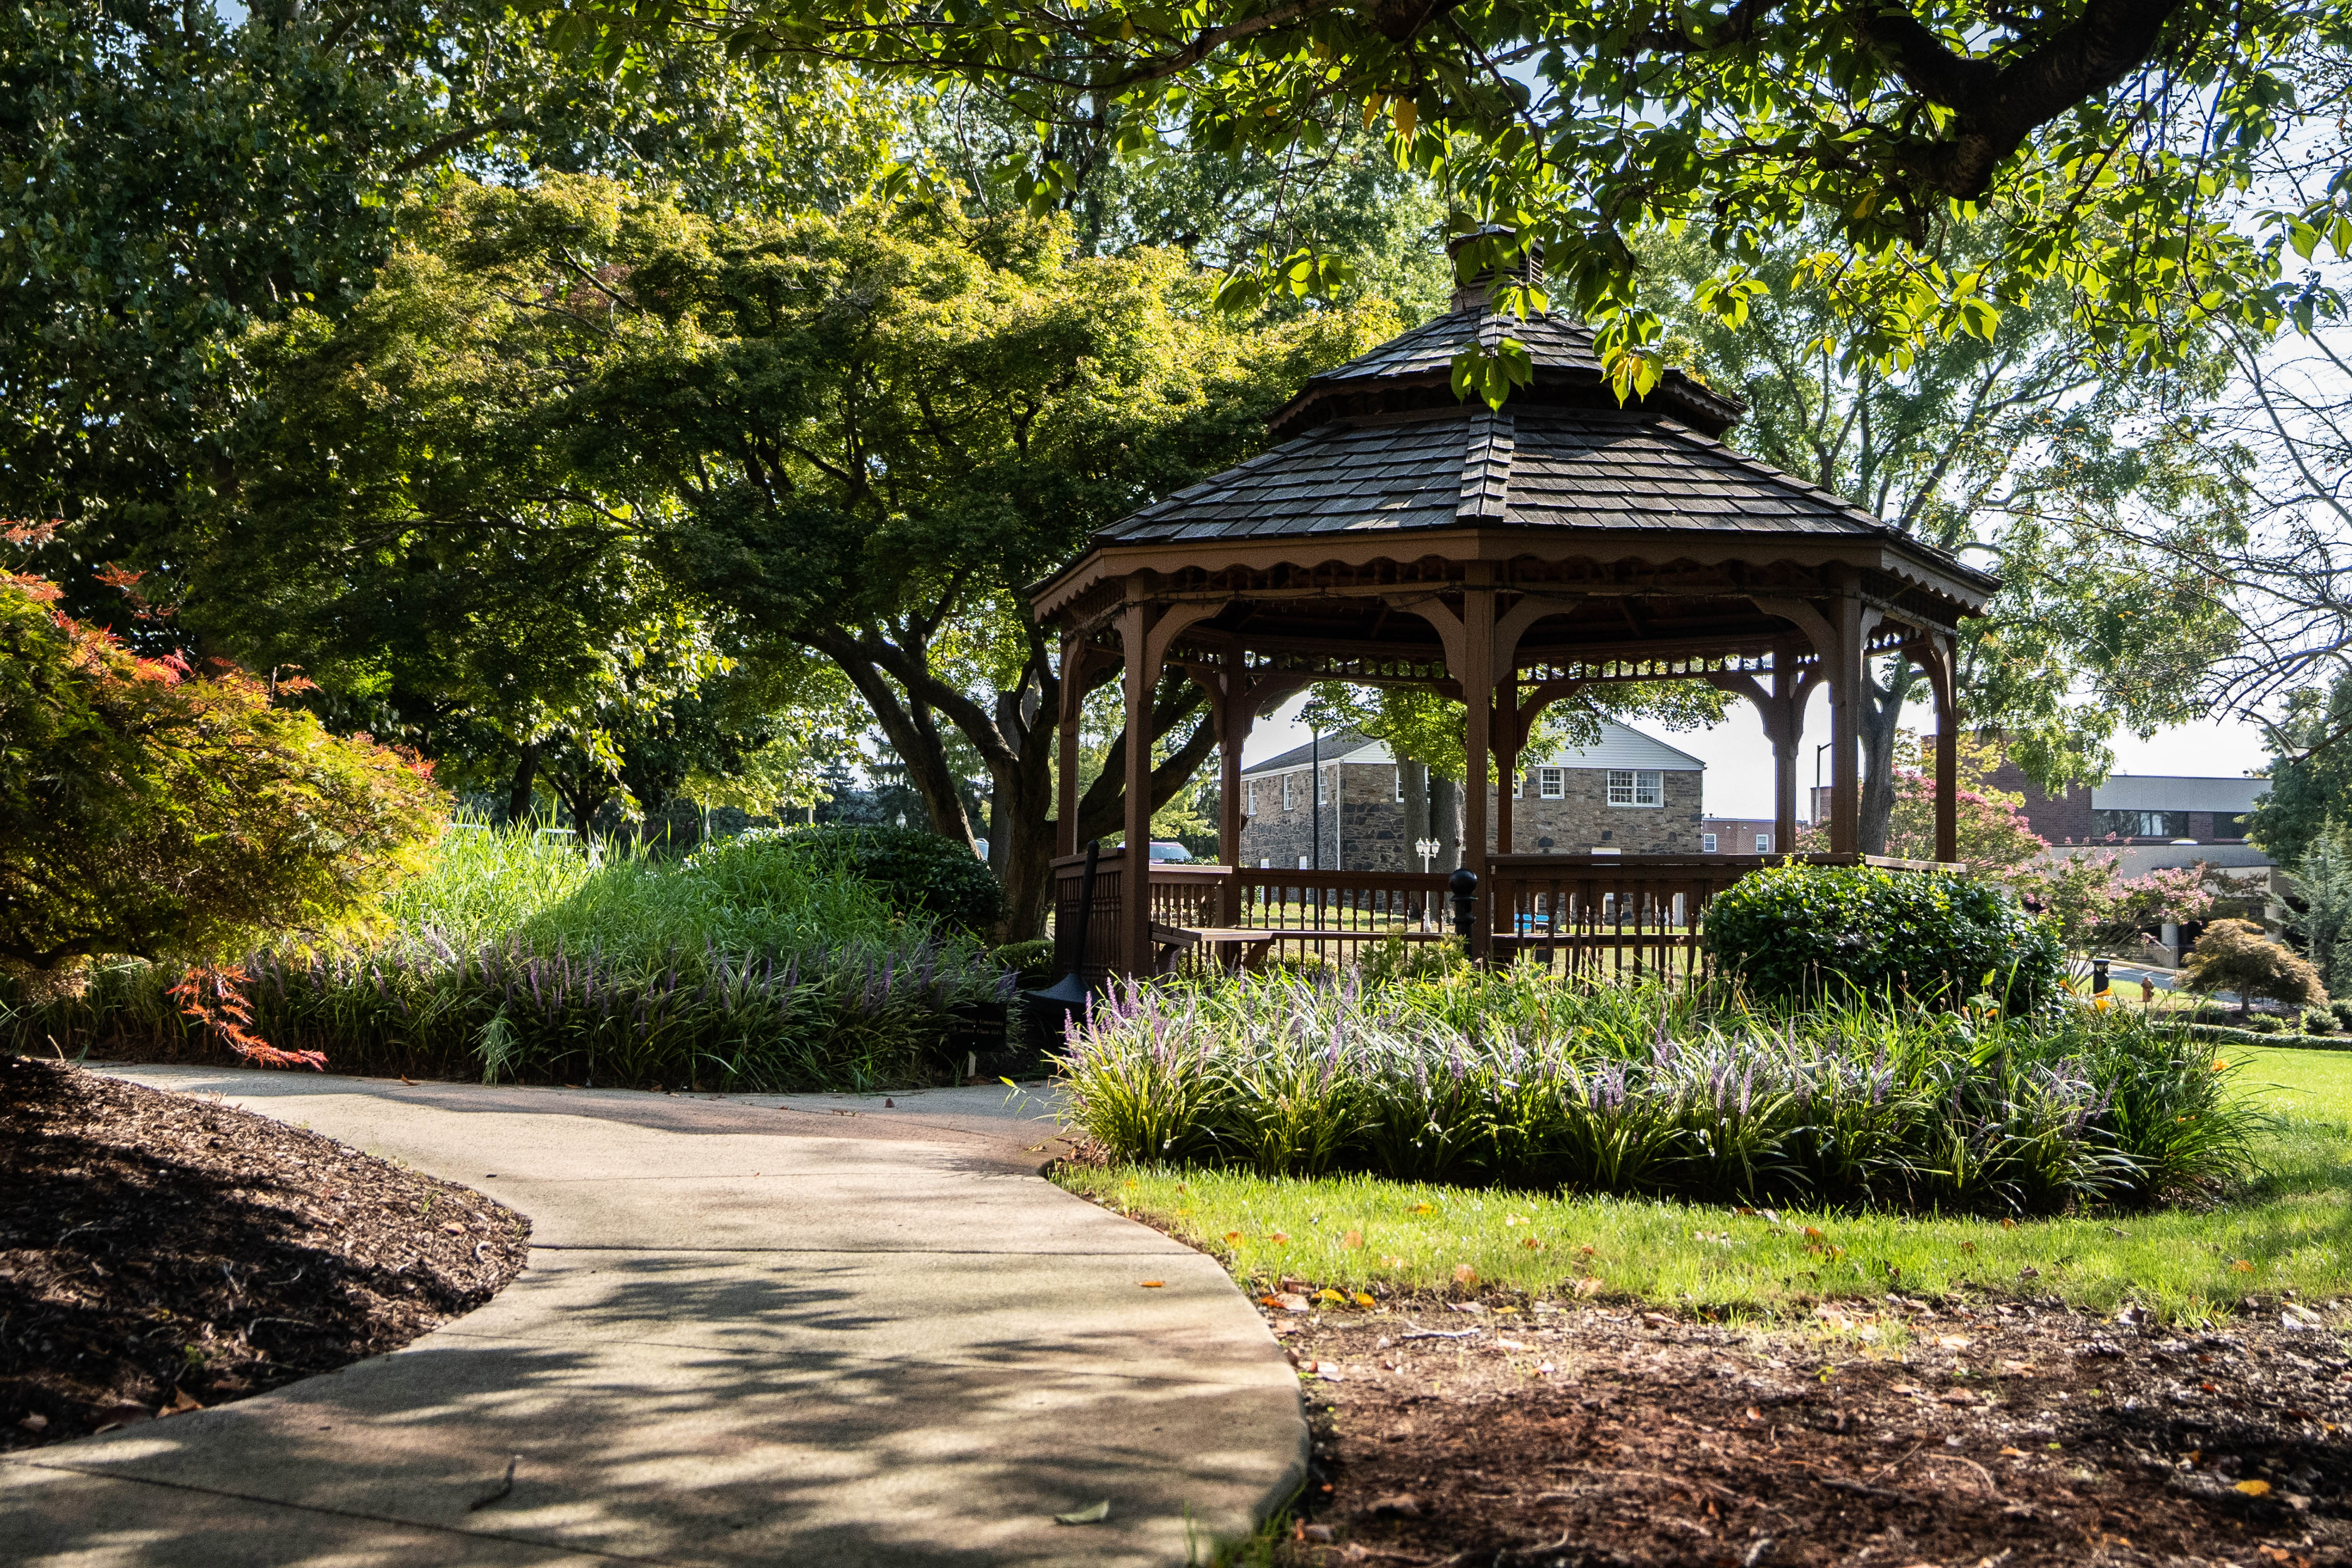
column 2255, row 1488
column 1094, row 1515
column 1280, row 1238
column 1155, row 1284
column 1364, row 1300
column 180, row 1402
column 1233, row 1235
column 2013, row 1453
column 1353, row 1240
column 1589, row 1287
column 1464, row 1275
column 1952, row 1341
column 36, row 1422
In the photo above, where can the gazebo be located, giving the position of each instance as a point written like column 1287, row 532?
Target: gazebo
column 1397, row 535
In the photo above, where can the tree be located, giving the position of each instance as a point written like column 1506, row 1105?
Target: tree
column 2112, row 132
column 176, row 180
column 2310, row 773
column 891, row 423
column 2240, row 956
column 2323, row 886
column 150, row 810
column 1995, row 839
column 2094, row 493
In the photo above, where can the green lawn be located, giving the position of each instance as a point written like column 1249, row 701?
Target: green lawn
column 2290, row 1231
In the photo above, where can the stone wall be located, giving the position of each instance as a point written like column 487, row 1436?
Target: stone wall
column 1583, row 820
column 1371, row 834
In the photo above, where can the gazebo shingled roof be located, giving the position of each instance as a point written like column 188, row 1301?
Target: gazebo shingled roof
column 1399, row 533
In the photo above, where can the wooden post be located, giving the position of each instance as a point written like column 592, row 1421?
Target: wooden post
column 1134, row 956
column 1846, row 718
column 1073, row 680
column 1784, row 722
column 1229, row 708
column 1943, row 675
column 1507, row 744
column 1478, row 696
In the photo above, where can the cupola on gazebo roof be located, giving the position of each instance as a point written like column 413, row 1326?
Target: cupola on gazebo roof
column 1400, row 534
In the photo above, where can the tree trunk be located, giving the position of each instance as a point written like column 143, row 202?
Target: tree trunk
column 1882, row 717
column 525, row 775
column 1416, row 809
column 1445, row 820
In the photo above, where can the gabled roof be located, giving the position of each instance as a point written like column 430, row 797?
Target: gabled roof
column 1620, row 746
column 1339, row 746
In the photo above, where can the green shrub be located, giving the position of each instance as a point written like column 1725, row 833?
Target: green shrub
column 1387, row 962
column 2261, row 1024
column 1032, row 963
column 1829, row 933
column 2343, row 1012
column 2318, row 1021
column 918, row 872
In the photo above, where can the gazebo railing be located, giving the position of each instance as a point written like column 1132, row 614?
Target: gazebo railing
column 1592, row 914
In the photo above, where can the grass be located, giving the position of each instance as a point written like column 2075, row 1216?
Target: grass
column 2289, row 1229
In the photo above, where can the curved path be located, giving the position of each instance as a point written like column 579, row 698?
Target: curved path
column 803, row 1330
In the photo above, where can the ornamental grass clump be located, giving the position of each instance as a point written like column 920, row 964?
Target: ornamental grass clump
column 515, row 959
column 1525, row 1080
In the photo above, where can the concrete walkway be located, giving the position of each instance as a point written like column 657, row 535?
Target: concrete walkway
column 803, row 1330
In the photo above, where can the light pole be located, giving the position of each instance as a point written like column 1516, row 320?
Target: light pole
column 1315, row 796
column 1427, row 849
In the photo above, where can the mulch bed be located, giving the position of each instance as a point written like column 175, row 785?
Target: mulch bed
column 1890, row 1433
column 161, row 1252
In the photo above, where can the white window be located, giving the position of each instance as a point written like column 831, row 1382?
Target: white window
column 1518, row 785
column 1636, row 786
column 1302, row 862
column 1264, row 863
column 1287, row 804
column 1763, row 844
column 1323, row 785
column 1249, row 798
column 1551, row 783
column 1400, row 783
column 1706, row 842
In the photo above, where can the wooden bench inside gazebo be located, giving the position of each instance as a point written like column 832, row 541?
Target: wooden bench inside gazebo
column 1396, row 534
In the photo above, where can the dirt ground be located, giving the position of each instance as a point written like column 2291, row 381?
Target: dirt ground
column 161, row 1252
column 1893, row 1433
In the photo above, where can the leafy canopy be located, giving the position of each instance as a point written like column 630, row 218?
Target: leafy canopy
column 2111, row 133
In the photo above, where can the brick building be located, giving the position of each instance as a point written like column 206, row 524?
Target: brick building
column 2129, row 808
column 1739, row 836
column 1629, row 792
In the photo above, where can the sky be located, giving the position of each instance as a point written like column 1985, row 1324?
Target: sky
column 1739, row 762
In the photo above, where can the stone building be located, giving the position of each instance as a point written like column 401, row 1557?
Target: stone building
column 1629, row 793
